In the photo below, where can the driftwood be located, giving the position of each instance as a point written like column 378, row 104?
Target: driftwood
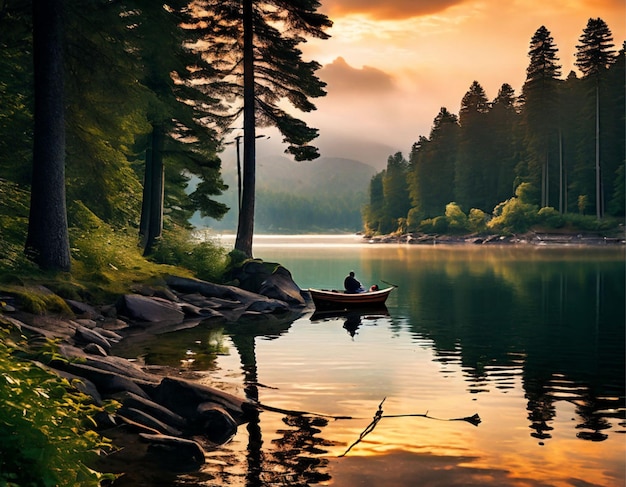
column 475, row 420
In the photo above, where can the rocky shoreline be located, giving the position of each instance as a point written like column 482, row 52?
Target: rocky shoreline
column 164, row 420
column 532, row 238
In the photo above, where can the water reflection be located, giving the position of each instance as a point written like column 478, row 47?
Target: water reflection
column 352, row 318
column 558, row 324
column 532, row 341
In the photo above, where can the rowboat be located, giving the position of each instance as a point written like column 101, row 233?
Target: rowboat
column 323, row 298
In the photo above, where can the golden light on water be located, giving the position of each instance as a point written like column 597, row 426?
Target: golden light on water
column 445, row 360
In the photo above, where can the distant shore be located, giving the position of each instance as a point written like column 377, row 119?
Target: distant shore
column 531, row 238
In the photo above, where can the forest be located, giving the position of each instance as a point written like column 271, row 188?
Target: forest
column 118, row 106
column 551, row 155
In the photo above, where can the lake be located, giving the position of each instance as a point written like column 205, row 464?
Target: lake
column 531, row 339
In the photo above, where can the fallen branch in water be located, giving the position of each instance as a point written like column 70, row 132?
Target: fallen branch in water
column 475, row 420
column 370, row 427
column 291, row 412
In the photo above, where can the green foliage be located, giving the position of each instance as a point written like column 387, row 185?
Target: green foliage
column 44, row 426
column 457, row 220
column 438, row 224
column 582, row 203
column 513, row 216
column 544, row 137
column 178, row 248
column 477, row 220
column 551, row 218
column 97, row 246
column 13, row 227
column 414, row 218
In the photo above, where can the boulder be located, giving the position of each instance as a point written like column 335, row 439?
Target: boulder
column 107, row 382
column 82, row 309
column 151, row 309
column 95, row 349
column 141, row 417
column 128, row 399
column 280, row 285
column 214, row 422
column 178, row 454
column 183, row 397
column 248, row 300
column 85, row 335
column 253, row 273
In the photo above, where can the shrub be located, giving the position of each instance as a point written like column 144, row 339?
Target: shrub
column 98, row 246
column 513, row 216
column 550, row 217
column 204, row 257
column 44, row 426
column 457, row 220
column 477, row 220
column 438, row 224
column 414, row 218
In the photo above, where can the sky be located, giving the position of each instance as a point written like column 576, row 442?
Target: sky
column 390, row 65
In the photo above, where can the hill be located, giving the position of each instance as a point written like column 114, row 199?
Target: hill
column 322, row 195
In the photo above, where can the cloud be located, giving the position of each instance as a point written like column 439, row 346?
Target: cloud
column 344, row 79
column 388, row 10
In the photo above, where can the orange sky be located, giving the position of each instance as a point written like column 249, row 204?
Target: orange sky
column 391, row 65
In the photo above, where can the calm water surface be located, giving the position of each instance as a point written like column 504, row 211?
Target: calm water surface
column 531, row 339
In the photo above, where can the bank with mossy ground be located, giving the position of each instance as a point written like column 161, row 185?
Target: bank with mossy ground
column 161, row 420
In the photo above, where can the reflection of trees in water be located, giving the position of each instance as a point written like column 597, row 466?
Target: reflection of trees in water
column 295, row 458
column 295, row 461
column 560, row 325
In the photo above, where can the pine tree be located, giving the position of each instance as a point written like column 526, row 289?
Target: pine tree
column 473, row 150
column 593, row 57
column 373, row 212
column 432, row 164
column 503, row 122
column 47, row 242
column 256, row 46
column 615, row 140
column 540, row 116
column 395, row 192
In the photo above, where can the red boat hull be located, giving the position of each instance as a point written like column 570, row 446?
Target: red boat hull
column 338, row 299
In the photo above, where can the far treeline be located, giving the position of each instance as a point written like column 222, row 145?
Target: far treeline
column 549, row 156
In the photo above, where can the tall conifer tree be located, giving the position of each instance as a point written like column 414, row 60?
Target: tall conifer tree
column 432, row 166
column 47, row 242
column 593, row 58
column 469, row 180
column 540, row 113
column 503, row 121
column 256, row 46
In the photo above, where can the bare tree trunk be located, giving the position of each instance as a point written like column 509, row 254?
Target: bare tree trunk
column 245, row 226
column 144, row 223
column 560, row 172
column 598, row 175
column 155, row 181
column 47, row 242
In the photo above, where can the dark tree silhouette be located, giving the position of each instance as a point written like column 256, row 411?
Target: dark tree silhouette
column 256, row 45
column 47, row 243
column 593, row 58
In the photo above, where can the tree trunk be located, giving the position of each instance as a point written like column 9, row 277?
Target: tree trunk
column 156, row 182
column 144, row 223
column 598, row 175
column 245, row 226
column 47, row 242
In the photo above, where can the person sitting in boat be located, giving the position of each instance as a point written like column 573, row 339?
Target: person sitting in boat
column 352, row 285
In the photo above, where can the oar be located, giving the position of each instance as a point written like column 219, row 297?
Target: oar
column 390, row 284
